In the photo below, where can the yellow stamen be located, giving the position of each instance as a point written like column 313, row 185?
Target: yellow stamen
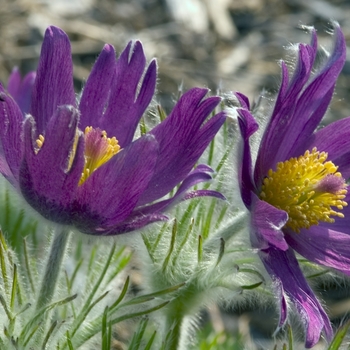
column 40, row 141
column 308, row 188
column 99, row 149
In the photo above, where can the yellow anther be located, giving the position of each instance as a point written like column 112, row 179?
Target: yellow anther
column 308, row 188
column 39, row 141
column 99, row 149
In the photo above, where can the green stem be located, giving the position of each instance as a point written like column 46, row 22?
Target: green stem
column 177, row 314
column 174, row 321
column 53, row 267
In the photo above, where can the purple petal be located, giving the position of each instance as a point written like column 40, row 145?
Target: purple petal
column 182, row 140
column 294, row 120
column 323, row 246
column 14, row 82
column 110, row 194
column 47, row 182
column 335, row 140
column 267, row 223
column 198, row 175
column 284, row 86
column 53, row 85
column 96, row 91
column 248, row 126
column 5, row 170
column 21, row 90
column 279, row 124
column 314, row 101
column 11, row 120
column 133, row 223
column 126, row 106
column 243, row 100
column 284, row 269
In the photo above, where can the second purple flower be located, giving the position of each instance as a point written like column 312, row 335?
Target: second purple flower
column 296, row 189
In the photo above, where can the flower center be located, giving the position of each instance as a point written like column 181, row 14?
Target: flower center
column 308, row 188
column 99, row 149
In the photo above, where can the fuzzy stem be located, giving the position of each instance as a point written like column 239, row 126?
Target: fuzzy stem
column 174, row 321
column 174, row 341
column 177, row 314
column 53, row 267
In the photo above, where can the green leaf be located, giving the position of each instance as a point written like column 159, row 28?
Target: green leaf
column 221, row 251
column 138, row 335
column 150, row 342
column 28, row 269
column 252, row 286
column 106, row 334
column 147, row 297
column 121, row 295
column 33, row 324
column 339, row 337
column 87, row 305
column 171, row 247
column 183, row 242
column 48, row 334
column 69, row 341
column 290, row 337
column 95, row 326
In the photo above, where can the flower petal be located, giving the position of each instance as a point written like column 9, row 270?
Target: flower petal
column 11, row 122
column 248, row 126
column 47, row 182
column 314, row 101
column 323, row 246
column 243, row 100
column 110, row 194
column 182, row 140
column 21, row 90
column 198, row 175
column 335, row 140
column 284, row 270
column 53, row 86
column 126, row 105
column 14, row 82
column 273, row 140
column 96, row 91
column 134, row 222
column 267, row 223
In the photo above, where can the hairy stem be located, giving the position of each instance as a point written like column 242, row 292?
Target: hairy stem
column 53, row 267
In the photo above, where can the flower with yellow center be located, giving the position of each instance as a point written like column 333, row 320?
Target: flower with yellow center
column 106, row 180
column 308, row 188
column 296, row 190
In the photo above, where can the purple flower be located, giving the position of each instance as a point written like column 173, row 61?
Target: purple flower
column 78, row 164
column 21, row 89
column 296, row 191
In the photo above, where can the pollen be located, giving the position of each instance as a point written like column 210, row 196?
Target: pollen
column 308, row 188
column 99, row 149
column 39, row 142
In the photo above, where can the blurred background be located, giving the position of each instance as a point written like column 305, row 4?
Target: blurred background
column 226, row 45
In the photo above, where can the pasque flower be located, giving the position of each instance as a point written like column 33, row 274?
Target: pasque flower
column 295, row 189
column 21, row 89
column 78, row 163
